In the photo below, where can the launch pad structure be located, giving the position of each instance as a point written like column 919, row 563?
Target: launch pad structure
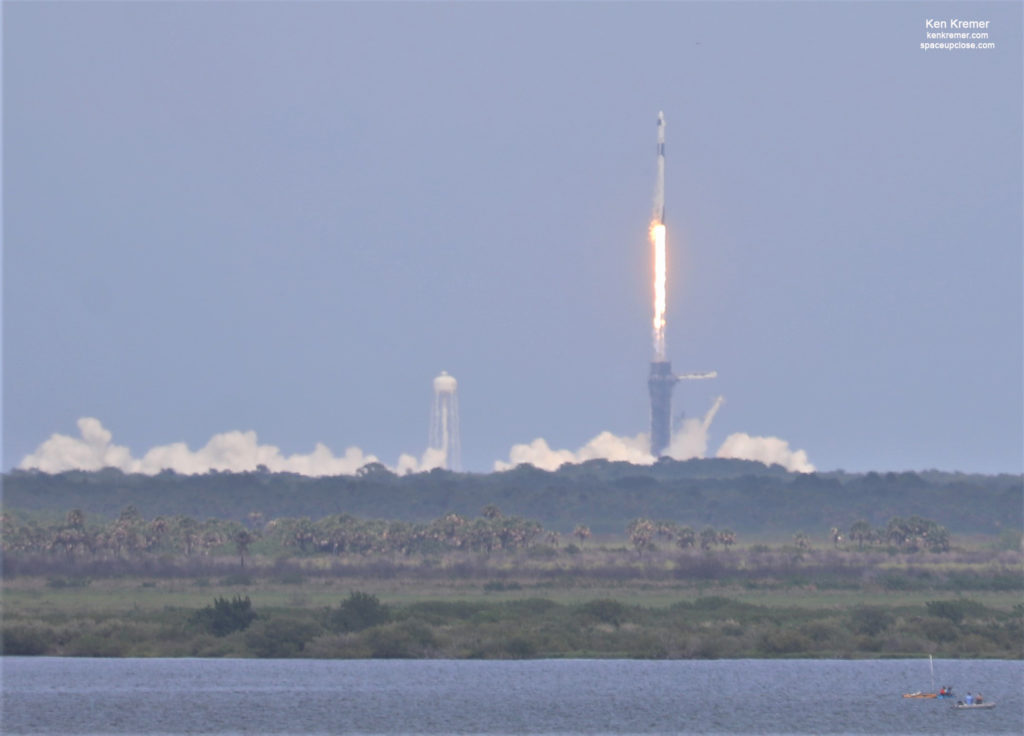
column 660, row 383
column 661, row 380
column 444, row 422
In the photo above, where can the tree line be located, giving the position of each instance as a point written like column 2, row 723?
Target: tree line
column 744, row 496
column 130, row 536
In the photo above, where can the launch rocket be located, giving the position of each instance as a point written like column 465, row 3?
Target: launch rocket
column 661, row 379
column 659, row 183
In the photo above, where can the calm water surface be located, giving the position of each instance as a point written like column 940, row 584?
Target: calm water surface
column 238, row 696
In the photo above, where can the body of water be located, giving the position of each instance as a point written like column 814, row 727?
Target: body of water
column 244, row 696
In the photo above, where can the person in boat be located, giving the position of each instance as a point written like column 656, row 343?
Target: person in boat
column 942, row 692
column 969, row 699
column 977, row 699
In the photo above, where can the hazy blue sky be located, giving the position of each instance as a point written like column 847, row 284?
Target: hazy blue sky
column 289, row 217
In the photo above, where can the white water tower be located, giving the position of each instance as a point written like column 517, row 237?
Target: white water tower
column 444, row 422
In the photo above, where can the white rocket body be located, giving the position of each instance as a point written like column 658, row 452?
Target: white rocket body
column 659, row 183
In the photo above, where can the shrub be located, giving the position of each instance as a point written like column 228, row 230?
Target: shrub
column 280, row 637
column 224, row 616
column 24, row 641
column 519, row 647
column 956, row 610
column 357, row 612
column 406, row 640
column 870, row 620
column 939, row 629
column 783, row 642
column 825, row 634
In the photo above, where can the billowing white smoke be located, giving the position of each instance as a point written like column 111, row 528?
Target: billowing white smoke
column 241, row 451
column 606, row 446
column 231, row 451
column 768, row 450
column 690, row 441
column 432, row 458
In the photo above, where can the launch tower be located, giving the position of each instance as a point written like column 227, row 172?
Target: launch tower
column 660, row 382
column 444, row 422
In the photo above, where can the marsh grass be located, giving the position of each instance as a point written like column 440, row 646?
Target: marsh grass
column 603, row 601
column 460, row 619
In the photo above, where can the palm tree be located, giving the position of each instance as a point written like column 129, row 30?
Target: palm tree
column 727, row 538
column 802, row 541
column 482, row 534
column 666, row 530
column 156, row 530
column 75, row 519
column 836, row 535
column 938, row 539
column 189, row 530
column 641, row 532
column 304, row 534
column 582, row 533
column 242, row 541
column 490, row 511
column 686, row 537
column 708, row 538
column 67, row 539
column 861, row 531
column 211, row 539
column 896, row 531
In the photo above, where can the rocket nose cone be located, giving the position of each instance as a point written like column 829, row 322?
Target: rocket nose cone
column 661, row 118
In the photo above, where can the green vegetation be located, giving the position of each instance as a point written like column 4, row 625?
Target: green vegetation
column 597, row 496
column 498, row 587
column 359, row 626
column 720, row 559
column 224, row 616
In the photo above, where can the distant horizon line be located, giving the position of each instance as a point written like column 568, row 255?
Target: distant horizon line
column 380, row 467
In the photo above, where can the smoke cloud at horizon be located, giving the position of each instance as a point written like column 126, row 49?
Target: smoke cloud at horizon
column 768, row 450
column 688, row 442
column 234, row 451
column 241, row 451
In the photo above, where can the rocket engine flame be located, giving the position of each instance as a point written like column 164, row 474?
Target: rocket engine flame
column 658, row 242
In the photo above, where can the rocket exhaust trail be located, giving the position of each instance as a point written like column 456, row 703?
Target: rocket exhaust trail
column 658, row 243
column 661, row 379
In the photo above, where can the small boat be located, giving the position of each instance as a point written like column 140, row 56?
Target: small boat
column 919, row 694
column 973, row 706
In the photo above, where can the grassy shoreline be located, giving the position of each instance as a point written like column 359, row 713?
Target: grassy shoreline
column 516, row 617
